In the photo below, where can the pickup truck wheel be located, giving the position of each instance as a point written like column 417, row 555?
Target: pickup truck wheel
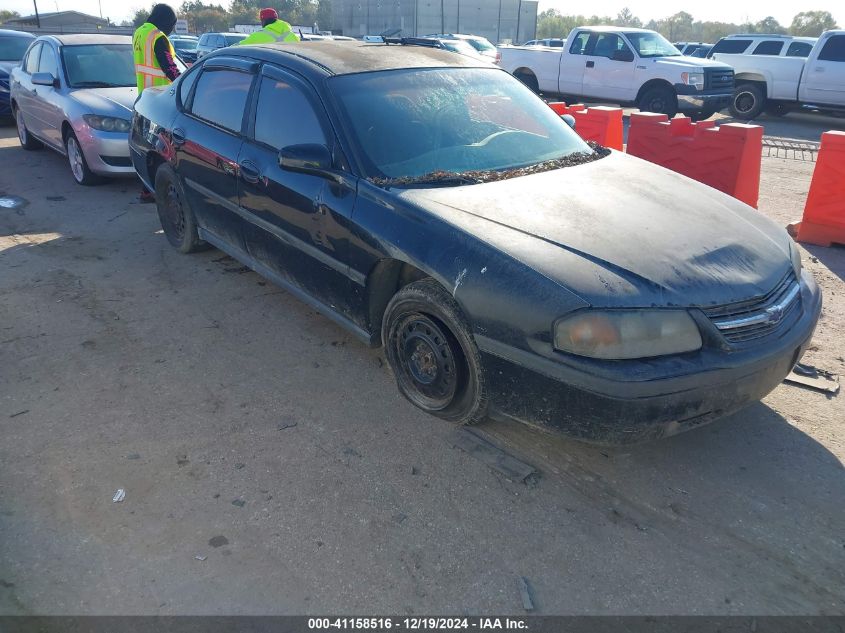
column 432, row 354
column 748, row 101
column 177, row 220
column 529, row 80
column 661, row 100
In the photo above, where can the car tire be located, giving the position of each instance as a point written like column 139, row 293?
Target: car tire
column 702, row 115
column 748, row 101
column 26, row 139
column 530, row 81
column 82, row 174
column 177, row 219
column 660, row 99
column 433, row 356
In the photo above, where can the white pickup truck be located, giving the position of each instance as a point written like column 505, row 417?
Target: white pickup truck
column 625, row 66
column 778, row 84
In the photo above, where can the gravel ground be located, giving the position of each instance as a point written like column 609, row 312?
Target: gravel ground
column 271, row 467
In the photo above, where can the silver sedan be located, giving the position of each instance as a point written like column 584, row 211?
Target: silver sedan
column 74, row 94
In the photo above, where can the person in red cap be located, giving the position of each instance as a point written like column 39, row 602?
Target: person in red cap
column 274, row 30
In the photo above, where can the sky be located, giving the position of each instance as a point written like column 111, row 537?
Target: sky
column 717, row 10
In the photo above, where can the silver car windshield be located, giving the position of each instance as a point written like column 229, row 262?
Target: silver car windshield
column 412, row 122
column 99, row 65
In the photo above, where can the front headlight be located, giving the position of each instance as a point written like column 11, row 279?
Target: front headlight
column 625, row 334
column 795, row 255
column 106, row 123
column 693, row 79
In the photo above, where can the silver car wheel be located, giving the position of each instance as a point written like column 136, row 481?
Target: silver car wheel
column 21, row 127
column 74, row 156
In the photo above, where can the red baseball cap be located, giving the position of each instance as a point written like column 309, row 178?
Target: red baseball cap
column 267, row 14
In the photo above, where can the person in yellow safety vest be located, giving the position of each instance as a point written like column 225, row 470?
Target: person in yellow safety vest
column 274, row 30
column 154, row 65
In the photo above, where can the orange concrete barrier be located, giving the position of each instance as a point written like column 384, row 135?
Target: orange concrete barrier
column 727, row 157
column 600, row 124
column 824, row 214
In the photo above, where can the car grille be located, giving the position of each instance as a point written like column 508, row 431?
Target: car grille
column 719, row 80
column 749, row 320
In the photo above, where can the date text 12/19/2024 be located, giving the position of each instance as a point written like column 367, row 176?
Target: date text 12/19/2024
column 417, row 624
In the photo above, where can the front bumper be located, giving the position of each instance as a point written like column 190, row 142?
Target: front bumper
column 703, row 102
column 107, row 153
column 620, row 406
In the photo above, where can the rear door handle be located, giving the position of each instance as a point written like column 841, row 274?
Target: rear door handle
column 250, row 172
column 178, row 136
column 591, row 64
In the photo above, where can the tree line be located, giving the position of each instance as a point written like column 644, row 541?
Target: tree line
column 682, row 27
column 210, row 17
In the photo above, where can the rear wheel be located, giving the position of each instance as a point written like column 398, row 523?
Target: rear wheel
column 433, row 356
column 78, row 165
column 530, row 80
column 177, row 220
column 27, row 140
column 660, row 99
column 748, row 101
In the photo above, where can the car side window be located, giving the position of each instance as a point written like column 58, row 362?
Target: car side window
column 185, row 84
column 768, row 47
column 220, row 41
column 579, row 44
column 203, row 39
column 48, row 62
column 285, row 115
column 607, row 44
column 220, row 97
column 32, row 59
column 833, row 49
column 799, row 49
column 731, row 47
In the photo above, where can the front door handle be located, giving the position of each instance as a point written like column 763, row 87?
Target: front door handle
column 178, row 136
column 250, row 172
column 591, row 64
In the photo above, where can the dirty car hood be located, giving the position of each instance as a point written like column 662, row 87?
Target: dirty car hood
column 622, row 232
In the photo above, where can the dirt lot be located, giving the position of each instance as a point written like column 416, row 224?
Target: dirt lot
column 251, row 432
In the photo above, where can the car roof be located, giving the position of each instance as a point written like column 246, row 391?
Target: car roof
column 88, row 38
column 335, row 57
column 13, row 33
column 615, row 29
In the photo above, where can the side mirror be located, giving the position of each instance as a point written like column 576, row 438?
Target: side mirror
column 45, row 79
column 310, row 158
column 625, row 55
column 569, row 119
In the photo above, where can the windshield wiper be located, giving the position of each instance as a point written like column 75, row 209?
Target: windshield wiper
column 99, row 84
column 445, row 178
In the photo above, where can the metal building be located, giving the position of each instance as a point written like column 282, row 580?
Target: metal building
column 497, row 20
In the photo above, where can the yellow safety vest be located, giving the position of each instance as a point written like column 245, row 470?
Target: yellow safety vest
column 278, row 31
column 147, row 70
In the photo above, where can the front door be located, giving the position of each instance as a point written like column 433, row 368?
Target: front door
column 609, row 78
column 299, row 223
column 823, row 81
column 47, row 107
column 572, row 65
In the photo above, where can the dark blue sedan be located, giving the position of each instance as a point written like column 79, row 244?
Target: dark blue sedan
column 13, row 45
column 433, row 205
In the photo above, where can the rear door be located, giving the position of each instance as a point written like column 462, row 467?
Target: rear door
column 207, row 137
column 606, row 77
column 573, row 63
column 299, row 223
column 823, row 81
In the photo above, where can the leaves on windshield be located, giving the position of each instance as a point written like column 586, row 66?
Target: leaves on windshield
column 478, row 177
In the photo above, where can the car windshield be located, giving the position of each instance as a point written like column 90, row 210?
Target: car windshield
column 184, row 45
column 447, row 122
column 652, row 45
column 233, row 38
column 99, row 65
column 13, row 48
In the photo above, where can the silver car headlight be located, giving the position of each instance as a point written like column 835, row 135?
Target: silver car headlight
column 626, row 334
column 795, row 255
column 107, row 123
column 693, row 79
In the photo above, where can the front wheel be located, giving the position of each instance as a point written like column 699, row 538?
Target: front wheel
column 660, row 99
column 748, row 101
column 78, row 165
column 433, row 356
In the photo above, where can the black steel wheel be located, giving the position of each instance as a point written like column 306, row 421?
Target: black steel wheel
column 174, row 213
column 660, row 99
column 748, row 101
column 433, row 356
